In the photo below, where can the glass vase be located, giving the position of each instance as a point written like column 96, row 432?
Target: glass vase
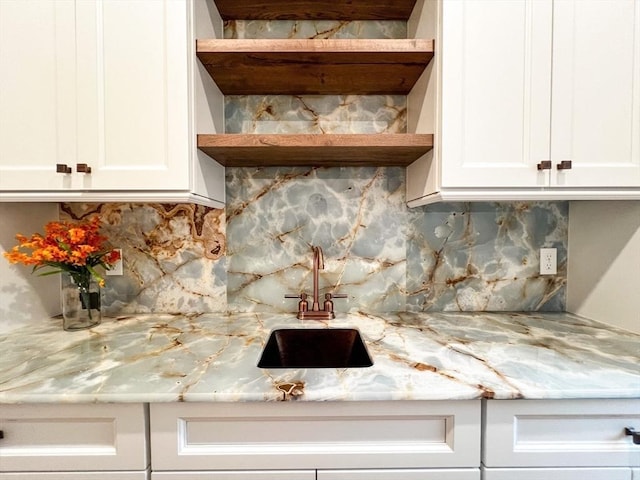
column 80, row 301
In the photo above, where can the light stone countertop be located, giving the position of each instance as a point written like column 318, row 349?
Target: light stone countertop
column 428, row 356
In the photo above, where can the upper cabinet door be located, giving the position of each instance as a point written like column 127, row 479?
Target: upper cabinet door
column 496, row 81
column 133, row 84
column 37, row 93
column 596, row 93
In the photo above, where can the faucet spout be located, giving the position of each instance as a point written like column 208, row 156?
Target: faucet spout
column 318, row 264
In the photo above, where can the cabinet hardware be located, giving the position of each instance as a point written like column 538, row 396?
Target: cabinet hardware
column 564, row 165
column 634, row 435
column 63, row 168
column 544, row 165
column 83, row 168
column 1, row 434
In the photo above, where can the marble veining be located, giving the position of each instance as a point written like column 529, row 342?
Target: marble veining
column 310, row 29
column 357, row 216
column 174, row 256
column 417, row 356
column 484, row 256
column 319, row 114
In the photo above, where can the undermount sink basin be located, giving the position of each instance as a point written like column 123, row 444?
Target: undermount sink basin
column 315, row 348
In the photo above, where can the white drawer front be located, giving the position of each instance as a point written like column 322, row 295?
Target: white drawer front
column 315, row 435
column 74, row 437
column 557, row 474
column 74, row 476
column 565, row 433
column 401, row 474
column 238, row 475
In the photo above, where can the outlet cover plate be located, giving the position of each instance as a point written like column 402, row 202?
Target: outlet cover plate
column 548, row 261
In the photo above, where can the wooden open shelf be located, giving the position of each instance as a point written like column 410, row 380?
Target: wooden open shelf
column 323, row 67
column 315, row 9
column 327, row 150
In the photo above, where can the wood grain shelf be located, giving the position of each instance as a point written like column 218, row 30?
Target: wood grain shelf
column 315, row 9
column 250, row 150
column 322, row 67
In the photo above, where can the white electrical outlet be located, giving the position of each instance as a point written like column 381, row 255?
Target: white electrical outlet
column 117, row 268
column 548, row 261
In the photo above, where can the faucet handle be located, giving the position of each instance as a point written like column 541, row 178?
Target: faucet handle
column 339, row 295
column 302, row 296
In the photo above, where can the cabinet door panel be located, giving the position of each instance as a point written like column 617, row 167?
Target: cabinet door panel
column 134, row 114
column 557, row 474
column 496, row 80
column 81, row 437
column 562, row 433
column 237, row 475
column 596, row 93
column 401, row 474
column 315, row 435
column 37, row 93
column 74, row 476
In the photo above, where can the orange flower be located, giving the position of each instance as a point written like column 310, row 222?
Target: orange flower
column 66, row 247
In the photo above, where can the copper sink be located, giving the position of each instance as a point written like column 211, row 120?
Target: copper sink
column 315, row 348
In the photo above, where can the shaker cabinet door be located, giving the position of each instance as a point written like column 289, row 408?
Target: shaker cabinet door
column 496, row 81
column 596, row 93
column 134, row 110
column 37, row 94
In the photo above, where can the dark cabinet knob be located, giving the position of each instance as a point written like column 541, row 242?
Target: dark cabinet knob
column 564, row 165
column 83, row 168
column 544, row 165
column 1, row 434
column 62, row 168
column 634, row 435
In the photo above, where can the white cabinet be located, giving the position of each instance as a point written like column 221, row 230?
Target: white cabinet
column 521, row 86
column 571, row 439
column 401, row 474
column 83, row 441
column 237, row 475
column 110, row 85
column 318, row 436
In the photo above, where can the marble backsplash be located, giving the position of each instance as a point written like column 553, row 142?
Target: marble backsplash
column 386, row 257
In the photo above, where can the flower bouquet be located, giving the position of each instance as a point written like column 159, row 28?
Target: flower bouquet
column 75, row 250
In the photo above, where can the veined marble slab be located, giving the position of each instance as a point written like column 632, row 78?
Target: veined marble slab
column 417, row 356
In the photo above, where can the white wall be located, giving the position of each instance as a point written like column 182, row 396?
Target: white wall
column 25, row 298
column 603, row 280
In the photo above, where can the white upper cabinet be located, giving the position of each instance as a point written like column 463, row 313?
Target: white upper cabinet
column 37, row 93
column 106, row 84
column 495, row 92
column 521, row 87
column 595, row 119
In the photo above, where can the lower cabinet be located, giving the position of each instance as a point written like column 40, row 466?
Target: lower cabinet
column 237, row 475
column 401, row 474
column 372, row 440
column 385, row 474
column 557, row 474
column 560, row 439
column 77, row 442
column 404, row 440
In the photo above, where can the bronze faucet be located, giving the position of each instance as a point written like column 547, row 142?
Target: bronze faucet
column 316, row 313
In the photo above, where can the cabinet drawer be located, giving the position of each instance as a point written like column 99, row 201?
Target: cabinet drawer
column 314, row 435
column 74, row 437
column 564, row 433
